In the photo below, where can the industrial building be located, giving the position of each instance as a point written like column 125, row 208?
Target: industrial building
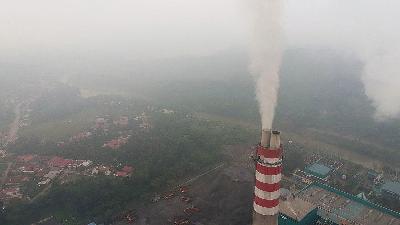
column 315, row 204
column 391, row 190
column 318, row 201
column 296, row 211
column 318, row 170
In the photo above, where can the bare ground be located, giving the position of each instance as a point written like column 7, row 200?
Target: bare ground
column 224, row 195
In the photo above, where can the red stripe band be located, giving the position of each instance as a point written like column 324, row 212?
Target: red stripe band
column 266, row 203
column 269, row 153
column 267, row 187
column 269, row 170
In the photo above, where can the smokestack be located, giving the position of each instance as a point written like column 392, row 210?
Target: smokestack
column 268, row 177
column 265, row 138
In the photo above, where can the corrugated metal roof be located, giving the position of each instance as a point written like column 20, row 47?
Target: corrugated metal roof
column 337, row 206
column 296, row 208
column 318, row 170
column 393, row 187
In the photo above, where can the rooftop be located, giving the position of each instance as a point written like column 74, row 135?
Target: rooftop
column 318, row 170
column 393, row 187
column 59, row 162
column 127, row 169
column 25, row 158
column 295, row 208
column 339, row 207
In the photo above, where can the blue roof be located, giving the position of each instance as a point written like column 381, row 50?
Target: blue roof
column 319, row 170
column 393, row 187
column 92, row 223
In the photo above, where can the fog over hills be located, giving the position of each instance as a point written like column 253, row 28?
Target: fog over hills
column 320, row 88
column 149, row 111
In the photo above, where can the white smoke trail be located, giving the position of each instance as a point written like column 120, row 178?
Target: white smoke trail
column 266, row 55
column 372, row 32
column 380, row 50
column 382, row 84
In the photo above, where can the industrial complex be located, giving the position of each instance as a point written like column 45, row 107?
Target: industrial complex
column 391, row 190
column 317, row 203
column 318, row 170
column 337, row 207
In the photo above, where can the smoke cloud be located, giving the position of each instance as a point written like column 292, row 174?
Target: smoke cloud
column 377, row 42
column 382, row 82
column 266, row 55
column 381, row 54
column 372, row 32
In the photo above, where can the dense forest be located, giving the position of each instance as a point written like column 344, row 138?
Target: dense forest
column 321, row 90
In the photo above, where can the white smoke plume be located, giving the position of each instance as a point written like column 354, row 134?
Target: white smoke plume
column 380, row 50
column 372, row 32
column 382, row 84
column 266, row 55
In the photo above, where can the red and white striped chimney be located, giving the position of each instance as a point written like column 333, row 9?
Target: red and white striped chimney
column 268, row 177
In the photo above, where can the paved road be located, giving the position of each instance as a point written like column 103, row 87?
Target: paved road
column 42, row 192
column 201, row 175
column 43, row 220
column 12, row 133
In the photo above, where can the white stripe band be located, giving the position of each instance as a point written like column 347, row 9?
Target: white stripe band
column 269, row 179
column 267, row 195
column 270, row 160
column 266, row 211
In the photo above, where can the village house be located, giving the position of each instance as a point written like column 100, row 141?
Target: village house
column 10, row 193
column 123, row 121
column 126, row 171
column 25, row 158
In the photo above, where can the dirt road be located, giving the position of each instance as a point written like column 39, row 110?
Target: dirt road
column 5, row 174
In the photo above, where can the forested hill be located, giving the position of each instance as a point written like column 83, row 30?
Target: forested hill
column 320, row 89
column 323, row 89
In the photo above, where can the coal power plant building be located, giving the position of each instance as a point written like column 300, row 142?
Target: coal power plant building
column 316, row 204
column 294, row 210
column 391, row 190
column 319, row 204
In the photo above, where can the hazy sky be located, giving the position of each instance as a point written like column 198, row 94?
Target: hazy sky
column 144, row 27
column 174, row 27
column 161, row 28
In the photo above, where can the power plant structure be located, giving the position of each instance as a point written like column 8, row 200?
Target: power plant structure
column 315, row 204
column 268, row 176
